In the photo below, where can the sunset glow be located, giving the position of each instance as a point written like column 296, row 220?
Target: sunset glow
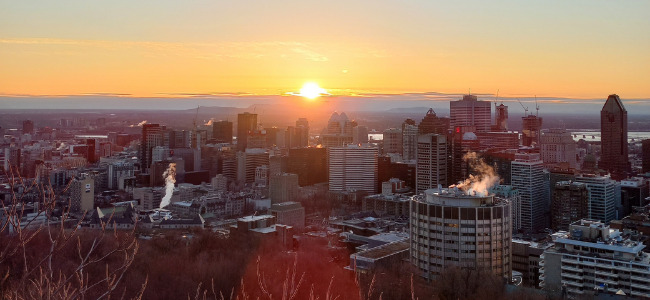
column 180, row 48
column 311, row 90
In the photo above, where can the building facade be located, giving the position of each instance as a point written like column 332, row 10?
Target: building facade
column 450, row 228
column 431, row 167
column 592, row 257
column 527, row 176
column 613, row 135
column 353, row 167
column 569, row 203
column 557, row 146
column 469, row 111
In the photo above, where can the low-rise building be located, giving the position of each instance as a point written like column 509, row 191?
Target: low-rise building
column 396, row 205
column 196, row 222
column 526, row 256
column 289, row 213
column 592, row 256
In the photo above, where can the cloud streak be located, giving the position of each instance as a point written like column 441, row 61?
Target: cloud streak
column 207, row 51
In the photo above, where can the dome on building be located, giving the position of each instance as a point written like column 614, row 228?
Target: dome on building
column 469, row 136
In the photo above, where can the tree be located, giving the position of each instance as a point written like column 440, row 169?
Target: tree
column 47, row 257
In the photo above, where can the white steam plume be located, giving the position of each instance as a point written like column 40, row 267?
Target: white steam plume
column 484, row 179
column 139, row 124
column 170, row 179
column 209, row 123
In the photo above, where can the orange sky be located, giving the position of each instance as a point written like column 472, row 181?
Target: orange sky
column 158, row 48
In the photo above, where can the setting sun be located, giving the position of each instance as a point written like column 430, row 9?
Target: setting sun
column 311, row 90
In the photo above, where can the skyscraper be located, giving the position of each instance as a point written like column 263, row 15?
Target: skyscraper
column 528, row 177
column 392, row 140
column 339, row 131
column 645, row 156
column 309, row 163
column 431, row 123
column 570, row 203
column 246, row 122
column 604, row 197
column 248, row 161
column 431, row 168
column 613, row 132
column 302, row 132
column 222, row 132
column 409, row 139
column 557, row 146
column 353, row 168
column 152, row 136
column 471, row 112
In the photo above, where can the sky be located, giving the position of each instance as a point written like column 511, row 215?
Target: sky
column 164, row 48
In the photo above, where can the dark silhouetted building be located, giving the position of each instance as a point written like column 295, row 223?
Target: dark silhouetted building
column 246, row 122
column 310, row 164
column 634, row 191
column 570, row 203
column 645, row 156
column 386, row 169
column 28, row 127
column 222, row 132
column 92, row 157
column 431, row 123
column 152, row 136
column 613, row 132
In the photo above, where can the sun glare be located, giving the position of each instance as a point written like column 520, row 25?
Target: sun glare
column 311, row 90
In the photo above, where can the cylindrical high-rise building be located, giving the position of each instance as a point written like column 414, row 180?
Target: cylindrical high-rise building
column 449, row 227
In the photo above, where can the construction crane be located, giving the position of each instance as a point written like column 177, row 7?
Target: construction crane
column 525, row 108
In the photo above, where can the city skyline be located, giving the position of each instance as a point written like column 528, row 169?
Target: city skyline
column 163, row 149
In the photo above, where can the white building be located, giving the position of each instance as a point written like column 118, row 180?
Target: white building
column 220, row 183
column 392, row 138
column 590, row 257
column 118, row 171
column 558, row 146
column 82, row 194
column 353, row 167
column 527, row 176
column 604, row 197
column 248, row 161
column 431, row 167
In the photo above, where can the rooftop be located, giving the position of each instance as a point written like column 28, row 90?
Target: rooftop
column 254, row 218
column 384, row 250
